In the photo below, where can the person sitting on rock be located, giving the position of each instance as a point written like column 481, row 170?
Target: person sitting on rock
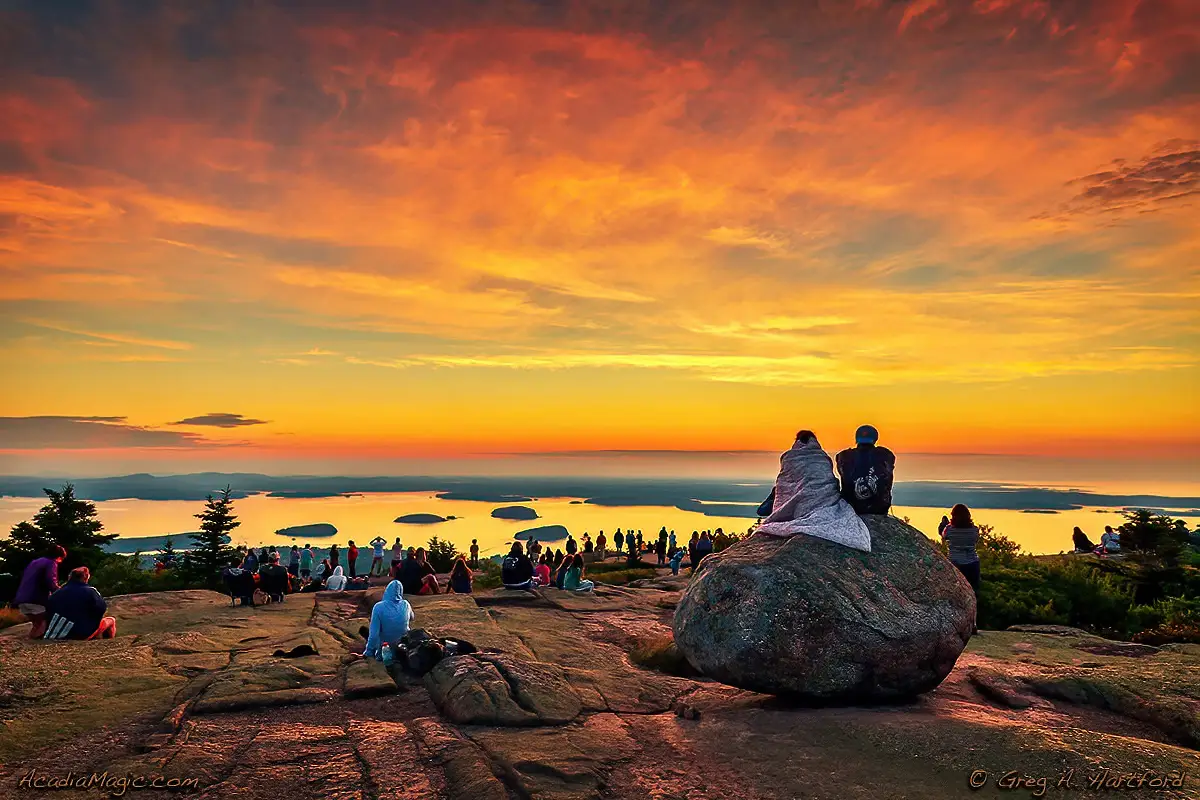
column 560, row 574
column 336, row 582
column 38, row 582
column 574, row 581
column 418, row 575
column 460, row 577
column 1110, row 540
column 76, row 611
column 807, row 499
column 867, row 472
column 516, row 571
column 542, row 570
column 1081, row 541
column 390, row 619
column 274, row 579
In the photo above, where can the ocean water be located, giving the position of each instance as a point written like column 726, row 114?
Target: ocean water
column 363, row 517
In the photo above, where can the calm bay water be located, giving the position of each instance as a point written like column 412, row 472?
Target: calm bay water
column 363, row 517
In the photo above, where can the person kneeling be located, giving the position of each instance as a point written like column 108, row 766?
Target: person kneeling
column 76, row 611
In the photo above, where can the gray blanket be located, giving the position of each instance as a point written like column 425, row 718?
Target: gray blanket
column 807, row 500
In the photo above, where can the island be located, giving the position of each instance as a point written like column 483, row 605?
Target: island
column 316, row 530
column 421, row 519
column 544, row 533
column 514, row 512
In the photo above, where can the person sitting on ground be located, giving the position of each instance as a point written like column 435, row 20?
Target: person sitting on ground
column 574, row 581
column 474, row 553
column 273, row 579
column 1110, row 540
column 1081, row 541
column 961, row 537
column 352, row 559
column 76, row 611
column 38, row 582
column 293, row 566
column 460, row 577
column 306, row 562
column 619, row 541
column 676, row 560
column 542, row 570
column 390, row 619
column 560, row 574
column 336, row 582
column 867, row 472
column 516, row 571
column 418, row 575
column 807, row 500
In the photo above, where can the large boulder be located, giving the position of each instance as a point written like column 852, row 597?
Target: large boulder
column 825, row 624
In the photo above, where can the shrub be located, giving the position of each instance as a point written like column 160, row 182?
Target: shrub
column 441, row 554
column 488, row 575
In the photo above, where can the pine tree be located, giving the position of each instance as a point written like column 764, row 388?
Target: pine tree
column 210, row 551
column 65, row 521
column 167, row 554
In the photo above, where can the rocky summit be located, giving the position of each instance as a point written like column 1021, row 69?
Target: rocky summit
column 827, row 624
column 570, row 697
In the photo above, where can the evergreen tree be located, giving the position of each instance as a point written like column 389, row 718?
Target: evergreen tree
column 167, row 554
column 65, row 521
column 210, row 551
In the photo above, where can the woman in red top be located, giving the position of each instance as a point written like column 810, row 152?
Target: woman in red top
column 352, row 558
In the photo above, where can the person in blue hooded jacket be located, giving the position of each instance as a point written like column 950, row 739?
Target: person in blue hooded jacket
column 389, row 621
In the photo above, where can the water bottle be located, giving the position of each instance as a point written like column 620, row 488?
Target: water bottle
column 388, row 656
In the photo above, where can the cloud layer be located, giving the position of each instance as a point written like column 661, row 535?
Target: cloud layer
column 405, row 202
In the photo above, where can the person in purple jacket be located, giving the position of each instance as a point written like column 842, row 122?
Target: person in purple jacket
column 38, row 582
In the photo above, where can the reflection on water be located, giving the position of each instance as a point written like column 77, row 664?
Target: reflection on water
column 363, row 517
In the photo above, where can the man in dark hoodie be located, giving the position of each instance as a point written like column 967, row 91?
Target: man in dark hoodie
column 76, row 611
column 867, row 472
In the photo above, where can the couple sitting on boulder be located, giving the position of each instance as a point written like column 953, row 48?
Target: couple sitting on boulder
column 807, row 498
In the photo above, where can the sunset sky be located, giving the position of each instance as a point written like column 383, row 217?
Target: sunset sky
column 317, row 235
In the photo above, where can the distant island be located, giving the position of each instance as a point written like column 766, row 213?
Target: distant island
column 545, row 533
column 128, row 545
column 421, row 519
column 514, row 512
column 484, row 496
column 317, row 530
column 1038, row 511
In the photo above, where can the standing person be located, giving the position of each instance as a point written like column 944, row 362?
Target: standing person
column 619, row 541
column 377, row 545
column 704, row 547
column 250, row 562
column 293, row 567
column 333, row 555
column 945, row 523
column 306, row 562
column 76, row 611
column 38, row 582
column 572, row 548
column 390, row 619
column 961, row 537
column 352, row 559
column 660, row 549
column 676, row 559
column 692, row 554
column 601, row 544
column 397, row 554
column 867, row 472
column 641, row 548
column 671, row 543
column 460, row 577
column 534, row 549
column 474, row 554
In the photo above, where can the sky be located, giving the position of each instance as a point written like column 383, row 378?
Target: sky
column 425, row 236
